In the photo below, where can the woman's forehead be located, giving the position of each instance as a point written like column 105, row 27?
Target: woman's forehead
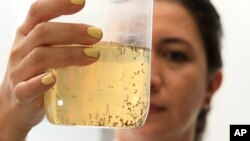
column 166, row 0
column 174, row 20
column 171, row 10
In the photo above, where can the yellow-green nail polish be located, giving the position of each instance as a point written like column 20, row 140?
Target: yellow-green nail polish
column 94, row 32
column 77, row 2
column 91, row 52
column 48, row 79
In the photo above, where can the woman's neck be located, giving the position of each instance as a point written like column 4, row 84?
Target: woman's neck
column 132, row 135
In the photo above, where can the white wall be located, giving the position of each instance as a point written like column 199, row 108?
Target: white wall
column 230, row 105
column 6, row 25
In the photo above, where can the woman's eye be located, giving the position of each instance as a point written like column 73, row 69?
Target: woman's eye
column 176, row 56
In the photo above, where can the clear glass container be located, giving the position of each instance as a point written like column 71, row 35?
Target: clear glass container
column 115, row 90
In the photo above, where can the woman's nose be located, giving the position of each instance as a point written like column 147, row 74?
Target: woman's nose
column 156, row 81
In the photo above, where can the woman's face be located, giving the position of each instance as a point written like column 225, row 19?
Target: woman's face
column 179, row 72
column 178, row 76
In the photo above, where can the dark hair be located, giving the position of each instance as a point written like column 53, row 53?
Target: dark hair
column 210, row 28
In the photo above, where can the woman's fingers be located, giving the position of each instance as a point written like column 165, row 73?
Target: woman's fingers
column 63, row 33
column 34, row 49
column 45, row 10
column 29, row 90
column 42, row 58
column 57, row 34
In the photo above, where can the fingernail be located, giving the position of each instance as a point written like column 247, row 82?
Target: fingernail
column 77, row 2
column 94, row 32
column 48, row 79
column 91, row 52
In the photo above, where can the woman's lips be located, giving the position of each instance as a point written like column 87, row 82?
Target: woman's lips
column 155, row 108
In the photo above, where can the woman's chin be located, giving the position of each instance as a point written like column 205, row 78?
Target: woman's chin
column 151, row 129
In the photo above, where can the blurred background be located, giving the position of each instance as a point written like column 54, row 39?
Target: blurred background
column 229, row 106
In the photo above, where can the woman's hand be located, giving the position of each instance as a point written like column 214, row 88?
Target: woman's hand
column 33, row 52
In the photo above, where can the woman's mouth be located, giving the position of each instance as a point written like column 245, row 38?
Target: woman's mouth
column 155, row 108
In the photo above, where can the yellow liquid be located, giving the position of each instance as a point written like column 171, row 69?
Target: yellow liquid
column 112, row 92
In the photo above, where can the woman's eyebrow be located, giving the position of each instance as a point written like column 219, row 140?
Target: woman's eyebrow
column 173, row 40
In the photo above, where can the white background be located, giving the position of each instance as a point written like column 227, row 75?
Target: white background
column 230, row 105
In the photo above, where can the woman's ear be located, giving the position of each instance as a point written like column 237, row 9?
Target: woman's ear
column 214, row 83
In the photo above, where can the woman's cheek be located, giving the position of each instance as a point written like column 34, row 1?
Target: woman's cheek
column 188, row 93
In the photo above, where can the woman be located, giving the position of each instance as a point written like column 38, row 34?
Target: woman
column 185, row 74
column 186, row 65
